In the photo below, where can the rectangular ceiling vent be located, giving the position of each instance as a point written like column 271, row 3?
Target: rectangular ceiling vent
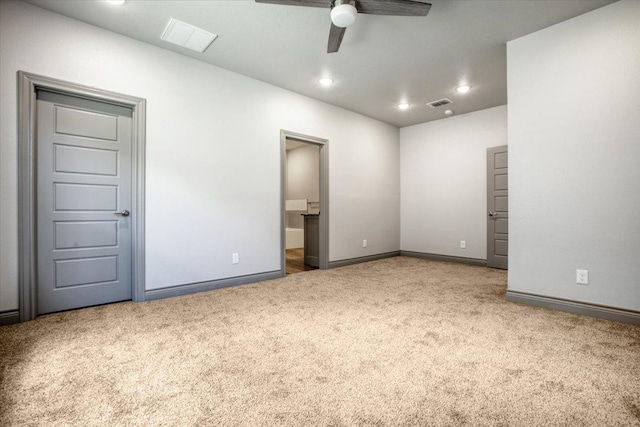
column 186, row 35
column 439, row 103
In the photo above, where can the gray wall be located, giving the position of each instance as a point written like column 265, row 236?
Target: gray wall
column 303, row 180
column 574, row 153
column 444, row 185
column 213, row 153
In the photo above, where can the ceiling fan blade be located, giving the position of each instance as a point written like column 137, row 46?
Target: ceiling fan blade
column 312, row 3
column 335, row 38
column 393, row 7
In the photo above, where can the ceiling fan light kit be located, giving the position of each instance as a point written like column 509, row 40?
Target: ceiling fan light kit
column 343, row 14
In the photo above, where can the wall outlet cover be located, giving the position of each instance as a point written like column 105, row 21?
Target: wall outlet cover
column 582, row 277
column 235, row 259
column 463, row 244
column 364, row 243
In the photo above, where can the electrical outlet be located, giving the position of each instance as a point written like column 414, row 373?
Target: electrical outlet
column 582, row 277
column 364, row 243
column 463, row 244
column 234, row 259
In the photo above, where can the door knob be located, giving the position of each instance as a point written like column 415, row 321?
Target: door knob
column 492, row 213
column 123, row 213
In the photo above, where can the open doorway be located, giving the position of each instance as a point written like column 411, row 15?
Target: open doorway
column 304, row 203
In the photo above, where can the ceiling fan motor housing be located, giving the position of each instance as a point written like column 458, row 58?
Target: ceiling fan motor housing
column 343, row 13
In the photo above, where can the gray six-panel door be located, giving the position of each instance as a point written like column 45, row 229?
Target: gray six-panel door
column 83, row 202
column 498, row 207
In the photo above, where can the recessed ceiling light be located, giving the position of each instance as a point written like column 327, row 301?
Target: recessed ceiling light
column 326, row 81
column 463, row 88
column 403, row 106
column 116, row 1
column 448, row 112
column 187, row 35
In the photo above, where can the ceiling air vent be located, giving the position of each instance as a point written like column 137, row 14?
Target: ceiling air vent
column 439, row 103
column 186, row 35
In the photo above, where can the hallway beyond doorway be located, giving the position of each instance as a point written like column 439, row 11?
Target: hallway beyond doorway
column 295, row 261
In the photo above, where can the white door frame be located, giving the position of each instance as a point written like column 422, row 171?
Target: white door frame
column 27, row 240
column 323, row 244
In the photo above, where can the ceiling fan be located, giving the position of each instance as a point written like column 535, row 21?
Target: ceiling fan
column 344, row 12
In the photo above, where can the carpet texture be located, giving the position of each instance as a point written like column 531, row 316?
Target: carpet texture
column 399, row 341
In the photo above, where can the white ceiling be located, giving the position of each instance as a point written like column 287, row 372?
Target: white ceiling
column 383, row 60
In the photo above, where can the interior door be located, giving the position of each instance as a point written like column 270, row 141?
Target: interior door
column 83, row 202
column 498, row 207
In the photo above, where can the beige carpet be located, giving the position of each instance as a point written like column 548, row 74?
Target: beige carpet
column 399, row 341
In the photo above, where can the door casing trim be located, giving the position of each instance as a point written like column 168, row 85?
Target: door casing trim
column 27, row 239
column 323, row 244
